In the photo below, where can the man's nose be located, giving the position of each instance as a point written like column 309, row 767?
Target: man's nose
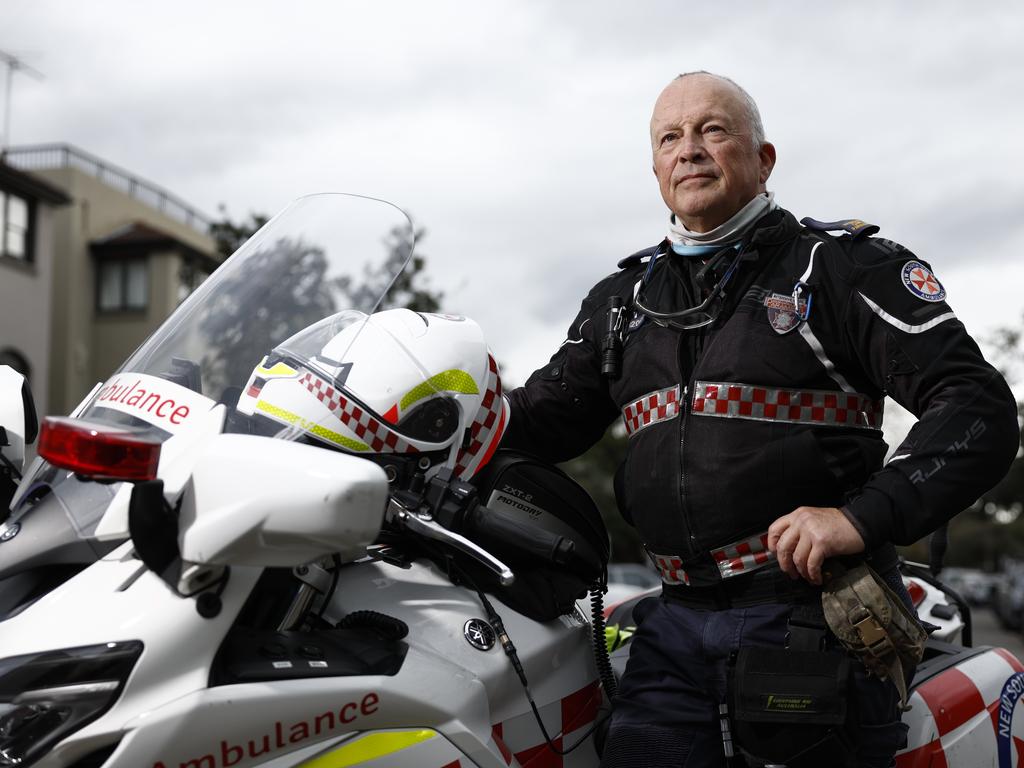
column 691, row 148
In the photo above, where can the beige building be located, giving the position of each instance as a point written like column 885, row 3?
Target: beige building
column 120, row 256
column 28, row 208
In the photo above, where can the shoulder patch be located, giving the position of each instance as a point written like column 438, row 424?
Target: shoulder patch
column 853, row 227
column 920, row 281
column 639, row 256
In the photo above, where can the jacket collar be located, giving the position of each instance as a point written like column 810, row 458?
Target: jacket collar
column 775, row 227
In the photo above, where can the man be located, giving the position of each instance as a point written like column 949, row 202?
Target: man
column 755, row 355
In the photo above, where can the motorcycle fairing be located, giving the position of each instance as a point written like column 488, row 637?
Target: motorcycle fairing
column 169, row 714
column 960, row 715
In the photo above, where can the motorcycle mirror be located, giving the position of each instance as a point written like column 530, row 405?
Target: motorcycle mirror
column 98, row 451
column 261, row 501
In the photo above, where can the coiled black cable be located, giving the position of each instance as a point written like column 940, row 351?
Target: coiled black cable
column 601, row 658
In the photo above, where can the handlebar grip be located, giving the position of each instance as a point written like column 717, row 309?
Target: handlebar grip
column 499, row 528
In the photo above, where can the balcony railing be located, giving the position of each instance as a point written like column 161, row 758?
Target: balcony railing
column 37, row 157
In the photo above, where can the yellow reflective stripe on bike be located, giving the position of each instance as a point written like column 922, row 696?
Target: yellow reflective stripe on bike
column 311, row 427
column 615, row 636
column 369, row 747
column 277, row 369
column 446, row 381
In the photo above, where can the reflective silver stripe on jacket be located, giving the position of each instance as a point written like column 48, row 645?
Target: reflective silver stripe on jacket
column 808, row 406
column 653, row 407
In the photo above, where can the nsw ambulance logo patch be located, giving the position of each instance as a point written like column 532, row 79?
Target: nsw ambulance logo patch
column 920, row 281
column 782, row 313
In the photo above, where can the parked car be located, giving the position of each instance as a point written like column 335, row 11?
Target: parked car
column 1008, row 595
column 628, row 579
column 973, row 585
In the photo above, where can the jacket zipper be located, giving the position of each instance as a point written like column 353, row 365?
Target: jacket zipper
column 702, row 342
column 691, row 539
column 684, row 400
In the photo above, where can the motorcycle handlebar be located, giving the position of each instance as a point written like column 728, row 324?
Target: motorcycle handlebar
column 498, row 528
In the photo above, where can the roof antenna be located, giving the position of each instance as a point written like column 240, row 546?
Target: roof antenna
column 14, row 64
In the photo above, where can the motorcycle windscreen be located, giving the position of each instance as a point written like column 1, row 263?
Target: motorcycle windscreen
column 295, row 298
column 327, row 261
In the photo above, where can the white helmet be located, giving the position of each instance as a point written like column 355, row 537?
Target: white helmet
column 395, row 382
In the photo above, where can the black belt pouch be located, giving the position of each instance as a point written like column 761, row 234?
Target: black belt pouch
column 790, row 706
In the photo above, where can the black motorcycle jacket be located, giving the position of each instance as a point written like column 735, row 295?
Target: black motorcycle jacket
column 778, row 403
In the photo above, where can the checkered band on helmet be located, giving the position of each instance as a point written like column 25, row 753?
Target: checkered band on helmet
column 487, row 428
column 369, row 428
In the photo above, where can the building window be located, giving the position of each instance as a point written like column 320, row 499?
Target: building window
column 122, row 285
column 15, row 227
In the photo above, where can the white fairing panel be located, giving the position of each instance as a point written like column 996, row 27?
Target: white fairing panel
column 449, row 704
column 260, row 501
column 12, row 415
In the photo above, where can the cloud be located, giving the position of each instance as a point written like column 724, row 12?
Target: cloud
column 516, row 132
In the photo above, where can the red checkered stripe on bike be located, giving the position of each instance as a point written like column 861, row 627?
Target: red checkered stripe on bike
column 954, row 716
column 567, row 719
column 808, row 406
column 486, row 429
column 732, row 560
column 371, row 430
column 653, row 407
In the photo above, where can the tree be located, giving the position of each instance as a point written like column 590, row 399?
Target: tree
column 411, row 289
column 230, row 235
column 247, row 318
column 408, row 287
column 992, row 528
column 1005, row 503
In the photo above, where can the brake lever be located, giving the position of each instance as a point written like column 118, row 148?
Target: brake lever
column 431, row 529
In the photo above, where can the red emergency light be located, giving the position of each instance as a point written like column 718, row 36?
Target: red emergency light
column 98, row 451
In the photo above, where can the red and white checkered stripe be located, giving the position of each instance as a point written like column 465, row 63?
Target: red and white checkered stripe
column 486, row 429
column 743, row 556
column 369, row 429
column 954, row 716
column 651, row 408
column 670, row 567
column 520, row 745
column 809, row 406
column 733, row 559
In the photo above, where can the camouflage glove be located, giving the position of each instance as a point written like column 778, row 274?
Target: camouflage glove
column 873, row 623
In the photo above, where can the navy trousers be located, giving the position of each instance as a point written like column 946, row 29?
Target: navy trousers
column 666, row 712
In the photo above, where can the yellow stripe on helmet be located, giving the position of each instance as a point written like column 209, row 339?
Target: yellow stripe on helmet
column 369, row 747
column 453, row 380
column 312, row 427
column 277, row 369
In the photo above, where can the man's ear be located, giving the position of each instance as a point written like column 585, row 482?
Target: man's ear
column 767, row 157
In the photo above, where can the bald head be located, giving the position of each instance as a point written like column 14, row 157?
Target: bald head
column 710, row 156
column 753, row 116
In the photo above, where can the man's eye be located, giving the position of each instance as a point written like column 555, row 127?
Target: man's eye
column 669, row 137
column 713, row 129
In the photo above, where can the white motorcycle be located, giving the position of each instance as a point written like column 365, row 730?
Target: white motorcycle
column 282, row 535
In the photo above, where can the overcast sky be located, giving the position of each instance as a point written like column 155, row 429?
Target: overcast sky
column 516, row 132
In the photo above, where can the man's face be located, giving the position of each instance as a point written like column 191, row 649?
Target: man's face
column 704, row 157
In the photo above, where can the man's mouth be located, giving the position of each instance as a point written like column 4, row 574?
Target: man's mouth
column 691, row 176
